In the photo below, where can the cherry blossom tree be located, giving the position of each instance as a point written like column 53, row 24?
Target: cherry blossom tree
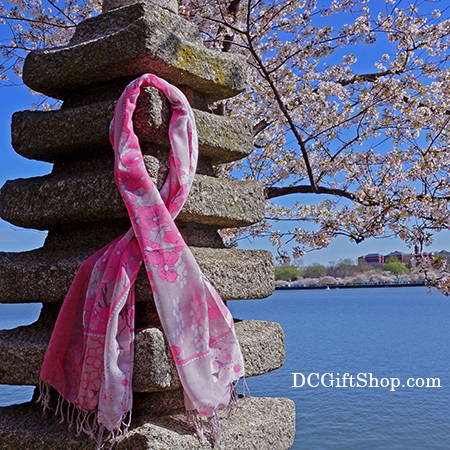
column 32, row 24
column 350, row 101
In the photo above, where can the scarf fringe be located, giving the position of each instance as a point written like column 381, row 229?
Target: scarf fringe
column 216, row 427
column 195, row 420
column 245, row 388
column 85, row 421
column 215, row 422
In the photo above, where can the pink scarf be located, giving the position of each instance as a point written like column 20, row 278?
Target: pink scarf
column 89, row 360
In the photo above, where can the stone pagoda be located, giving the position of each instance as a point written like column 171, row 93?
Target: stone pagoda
column 80, row 206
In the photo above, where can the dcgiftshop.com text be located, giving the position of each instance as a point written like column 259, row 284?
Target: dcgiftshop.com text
column 361, row 380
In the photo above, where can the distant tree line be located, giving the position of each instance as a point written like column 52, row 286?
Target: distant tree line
column 342, row 269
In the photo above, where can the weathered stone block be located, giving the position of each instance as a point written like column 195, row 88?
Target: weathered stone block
column 221, row 138
column 59, row 133
column 158, row 403
column 154, row 369
column 44, row 202
column 238, row 274
column 79, row 131
column 22, row 352
column 45, row 277
column 224, row 203
column 90, row 237
column 262, row 345
column 257, row 424
column 127, row 42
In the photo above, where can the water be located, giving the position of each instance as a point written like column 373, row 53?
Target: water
column 389, row 332
column 12, row 316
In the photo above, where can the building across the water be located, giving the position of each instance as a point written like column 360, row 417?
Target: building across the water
column 376, row 259
column 372, row 258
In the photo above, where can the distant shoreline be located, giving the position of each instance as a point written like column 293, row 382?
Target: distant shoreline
column 350, row 286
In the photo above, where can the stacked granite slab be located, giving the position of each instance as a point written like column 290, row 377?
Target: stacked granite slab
column 81, row 208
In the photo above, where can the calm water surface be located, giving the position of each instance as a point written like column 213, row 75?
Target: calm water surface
column 12, row 316
column 389, row 332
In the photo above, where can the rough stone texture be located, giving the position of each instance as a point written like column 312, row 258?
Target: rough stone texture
column 158, row 403
column 78, row 131
column 257, row 424
column 170, row 5
column 224, row 203
column 22, row 352
column 126, row 42
column 58, row 133
column 154, row 369
column 262, row 345
column 241, row 274
column 43, row 202
column 221, row 139
column 92, row 236
column 200, row 235
column 45, row 277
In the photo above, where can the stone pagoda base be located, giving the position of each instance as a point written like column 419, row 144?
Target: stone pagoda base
column 258, row 423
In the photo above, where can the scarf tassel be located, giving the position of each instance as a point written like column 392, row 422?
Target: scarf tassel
column 216, row 427
column 214, row 421
column 85, row 421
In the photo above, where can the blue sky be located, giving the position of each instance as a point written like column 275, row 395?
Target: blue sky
column 16, row 98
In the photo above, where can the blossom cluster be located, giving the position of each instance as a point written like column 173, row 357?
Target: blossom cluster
column 372, row 143
column 33, row 24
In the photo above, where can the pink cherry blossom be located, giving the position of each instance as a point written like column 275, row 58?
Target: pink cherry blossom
column 153, row 218
column 174, row 237
column 95, row 357
column 165, row 265
column 90, row 381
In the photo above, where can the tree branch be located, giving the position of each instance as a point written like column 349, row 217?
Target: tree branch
column 370, row 77
column 260, row 126
column 62, row 12
column 272, row 192
column 37, row 21
column 280, row 102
